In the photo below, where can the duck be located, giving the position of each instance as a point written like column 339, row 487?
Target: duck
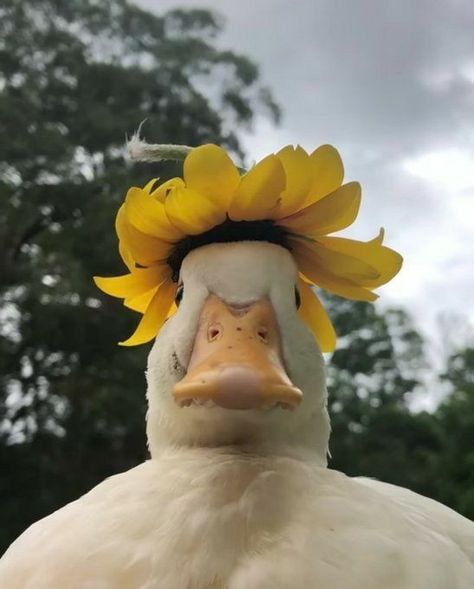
column 237, row 493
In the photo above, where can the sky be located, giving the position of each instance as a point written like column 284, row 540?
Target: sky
column 391, row 85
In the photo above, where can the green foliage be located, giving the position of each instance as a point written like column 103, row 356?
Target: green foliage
column 455, row 417
column 372, row 376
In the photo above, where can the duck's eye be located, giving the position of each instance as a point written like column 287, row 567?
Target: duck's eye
column 179, row 294
column 297, row 298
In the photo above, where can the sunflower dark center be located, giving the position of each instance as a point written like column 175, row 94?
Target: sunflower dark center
column 227, row 232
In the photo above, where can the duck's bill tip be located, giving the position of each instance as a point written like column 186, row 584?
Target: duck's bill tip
column 236, row 387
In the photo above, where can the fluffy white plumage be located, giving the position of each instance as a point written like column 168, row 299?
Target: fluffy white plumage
column 242, row 499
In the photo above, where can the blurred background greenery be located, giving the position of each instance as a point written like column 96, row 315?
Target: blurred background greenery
column 75, row 76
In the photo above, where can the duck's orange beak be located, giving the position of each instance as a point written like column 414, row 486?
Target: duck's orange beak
column 236, row 361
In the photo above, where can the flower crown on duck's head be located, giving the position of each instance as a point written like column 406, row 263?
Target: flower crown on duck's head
column 291, row 198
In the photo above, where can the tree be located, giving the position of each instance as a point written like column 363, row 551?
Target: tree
column 75, row 77
column 455, row 416
column 372, row 375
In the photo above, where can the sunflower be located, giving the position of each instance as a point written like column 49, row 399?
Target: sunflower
column 292, row 198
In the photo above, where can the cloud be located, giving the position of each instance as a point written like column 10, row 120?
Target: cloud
column 451, row 168
column 360, row 71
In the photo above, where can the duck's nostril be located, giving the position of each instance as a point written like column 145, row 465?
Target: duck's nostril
column 214, row 332
column 262, row 335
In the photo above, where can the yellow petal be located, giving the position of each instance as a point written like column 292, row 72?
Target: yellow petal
column 144, row 249
column 313, row 267
column 297, row 168
column 126, row 256
column 130, row 285
column 192, row 212
column 148, row 188
column 334, row 212
column 386, row 261
column 259, row 191
column 209, row 170
column 148, row 216
column 327, row 172
column 161, row 193
column 379, row 238
column 140, row 302
column 154, row 316
column 314, row 315
column 124, row 251
column 343, row 265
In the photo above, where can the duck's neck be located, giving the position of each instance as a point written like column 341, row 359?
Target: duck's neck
column 309, row 442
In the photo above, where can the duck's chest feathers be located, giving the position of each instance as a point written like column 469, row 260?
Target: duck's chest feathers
column 237, row 521
column 219, row 513
column 221, row 519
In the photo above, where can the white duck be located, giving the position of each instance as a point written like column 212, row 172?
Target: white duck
column 237, row 494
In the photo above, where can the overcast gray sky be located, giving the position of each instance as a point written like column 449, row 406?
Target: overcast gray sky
column 391, row 85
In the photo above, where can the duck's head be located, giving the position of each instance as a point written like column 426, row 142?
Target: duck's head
column 235, row 364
